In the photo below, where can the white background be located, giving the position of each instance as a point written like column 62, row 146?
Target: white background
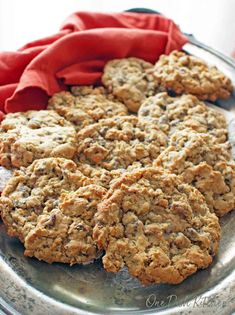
column 211, row 21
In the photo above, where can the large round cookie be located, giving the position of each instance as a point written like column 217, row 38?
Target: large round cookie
column 65, row 233
column 206, row 165
column 47, row 207
column 117, row 143
column 25, row 137
column 186, row 111
column 157, row 226
column 130, row 80
column 36, row 189
column 86, row 105
column 183, row 73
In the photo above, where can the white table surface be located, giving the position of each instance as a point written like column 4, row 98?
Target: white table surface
column 211, row 21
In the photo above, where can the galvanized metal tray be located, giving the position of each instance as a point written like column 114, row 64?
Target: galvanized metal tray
column 28, row 286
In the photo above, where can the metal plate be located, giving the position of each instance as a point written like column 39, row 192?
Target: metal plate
column 29, row 286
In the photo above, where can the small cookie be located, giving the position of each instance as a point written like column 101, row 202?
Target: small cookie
column 65, row 234
column 157, row 226
column 25, row 137
column 186, row 111
column 205, row 165
column 188, row 74
column 130, row 80
column 86, row 105
column 117, row 143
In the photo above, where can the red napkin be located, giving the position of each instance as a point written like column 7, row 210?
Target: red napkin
column 78, row 53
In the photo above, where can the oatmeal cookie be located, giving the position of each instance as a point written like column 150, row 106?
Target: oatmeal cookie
column 32, row 135
column 188, row 74
column 157, row 226
column 65, row 233
column 36, row 189
column 86, row 105
column 33, row 119
column 117, row 143
column 50, row 206
column 130, row 80
column 186, row 111
column 205, row 165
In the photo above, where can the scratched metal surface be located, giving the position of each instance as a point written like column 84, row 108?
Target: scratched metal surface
column 28, row 286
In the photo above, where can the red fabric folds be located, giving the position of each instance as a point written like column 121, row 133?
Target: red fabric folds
column 78, row 53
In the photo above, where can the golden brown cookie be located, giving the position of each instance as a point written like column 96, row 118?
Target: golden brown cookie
column 36, row 189
column 25, row 137
column 183, row 73
column 186, row 111
column 33, row 119
column 86, row 105
column 118, row 142
column 65, row 233
column 130, row 80
column 157, row 226
column 50, row 207
column 205, row 165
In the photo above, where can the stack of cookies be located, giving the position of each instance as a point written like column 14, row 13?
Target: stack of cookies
column 136, row 171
